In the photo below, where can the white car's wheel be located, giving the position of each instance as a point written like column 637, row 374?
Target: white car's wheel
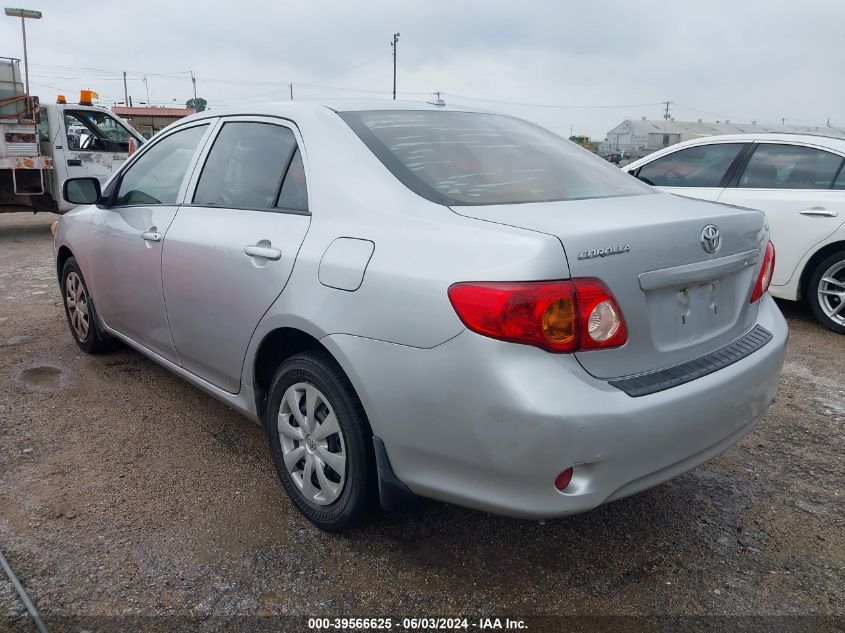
column 826, row 292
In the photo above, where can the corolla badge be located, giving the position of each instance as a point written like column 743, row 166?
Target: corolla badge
column 711, row 239
column 604, row 252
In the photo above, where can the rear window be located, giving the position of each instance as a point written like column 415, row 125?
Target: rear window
column 470, row 158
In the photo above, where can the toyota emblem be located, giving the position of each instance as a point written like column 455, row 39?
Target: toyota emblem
column 711, row 239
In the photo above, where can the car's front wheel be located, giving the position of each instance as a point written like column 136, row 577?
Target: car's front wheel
column 80, row 311
column 320, row 441
column 826, row 292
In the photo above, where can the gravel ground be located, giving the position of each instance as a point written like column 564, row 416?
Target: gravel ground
column 124, row 491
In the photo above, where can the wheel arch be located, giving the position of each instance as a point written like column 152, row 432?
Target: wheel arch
column 63, row 254
column 820, row 255
column 283, row 342
column 278, row 345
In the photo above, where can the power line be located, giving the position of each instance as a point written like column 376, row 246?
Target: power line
column 351, row 68
column 315, row 84
column 88, row 74
column 107, row 74
column 552, row 105
column 362, row 90
column 721, row 115
column 107, row 70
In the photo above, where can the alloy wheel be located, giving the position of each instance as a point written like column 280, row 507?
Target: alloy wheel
column 312, row 442
column 76, row 299
column 831, row 293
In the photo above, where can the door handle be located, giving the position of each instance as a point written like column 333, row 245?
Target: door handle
column 151, row 236
column 73, row 162
column 273, row 254
column 820, row 211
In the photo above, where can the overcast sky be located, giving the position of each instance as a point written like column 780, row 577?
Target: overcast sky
column 713, row 59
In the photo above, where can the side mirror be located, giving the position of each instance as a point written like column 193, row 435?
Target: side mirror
column 81, row 190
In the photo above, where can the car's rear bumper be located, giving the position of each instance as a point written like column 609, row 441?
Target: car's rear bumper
column 489, row 425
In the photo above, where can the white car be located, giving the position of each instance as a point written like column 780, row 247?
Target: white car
column 798, row 180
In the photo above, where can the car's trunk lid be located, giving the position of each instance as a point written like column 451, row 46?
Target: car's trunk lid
column 679, row 301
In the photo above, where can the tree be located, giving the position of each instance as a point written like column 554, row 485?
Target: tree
column 197, row 104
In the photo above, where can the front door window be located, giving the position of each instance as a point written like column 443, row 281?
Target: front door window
column 155, row 178
column 698, row 166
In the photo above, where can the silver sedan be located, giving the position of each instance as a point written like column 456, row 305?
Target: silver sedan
column 423, row 300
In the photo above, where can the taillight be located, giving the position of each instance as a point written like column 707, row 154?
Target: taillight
column 133, row 145
column 765, row 276
column 601, row 324
column 558, row 316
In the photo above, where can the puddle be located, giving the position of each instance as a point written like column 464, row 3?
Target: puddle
column 44, row 377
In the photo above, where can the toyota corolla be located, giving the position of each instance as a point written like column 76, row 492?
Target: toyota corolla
column 424, row 300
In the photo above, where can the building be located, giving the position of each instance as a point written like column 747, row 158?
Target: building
column 150, row 119
column 636, row 138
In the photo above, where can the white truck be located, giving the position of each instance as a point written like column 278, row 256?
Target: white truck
column 42, row 145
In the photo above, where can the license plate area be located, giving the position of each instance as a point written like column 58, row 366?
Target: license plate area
column 685, row 315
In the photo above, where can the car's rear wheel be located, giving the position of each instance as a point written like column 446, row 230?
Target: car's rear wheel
column 826, row 292
column 80, row 312
column 320, row 441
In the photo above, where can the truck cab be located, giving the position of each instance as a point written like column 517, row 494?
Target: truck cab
column 83, row 140
column 43, row 145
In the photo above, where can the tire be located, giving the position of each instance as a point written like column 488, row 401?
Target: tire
column 80, row 312
column 827, row 298
column 336, row 501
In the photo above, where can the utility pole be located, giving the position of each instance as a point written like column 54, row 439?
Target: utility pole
column 393, row 44
column 194, row 82
column 666, row 115
column 147, row 86
column 291, row 91
column 125, row 90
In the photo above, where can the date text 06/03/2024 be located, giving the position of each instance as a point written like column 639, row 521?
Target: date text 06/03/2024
column 416, row 624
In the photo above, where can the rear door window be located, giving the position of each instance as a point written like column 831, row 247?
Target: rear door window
column 774, row 166
column 294, row 194
column 840, row 181
column 471, row 158
column 246, row 166
column 698, row 166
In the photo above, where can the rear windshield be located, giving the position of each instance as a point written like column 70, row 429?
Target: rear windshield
column 470, row 158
